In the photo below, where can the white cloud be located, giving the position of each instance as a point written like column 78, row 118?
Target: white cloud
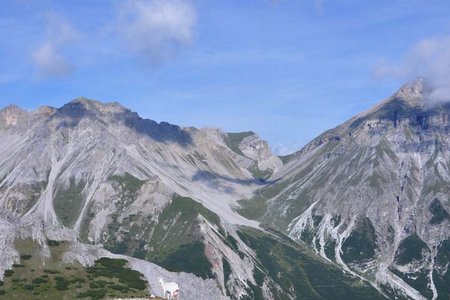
column 49, row 57
column 430, row 58
column 156, row 29
column 49, row 61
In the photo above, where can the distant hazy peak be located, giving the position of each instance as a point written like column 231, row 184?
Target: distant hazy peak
column 12, row 109
column 11, row 115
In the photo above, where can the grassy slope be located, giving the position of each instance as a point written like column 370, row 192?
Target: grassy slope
column 361, row 244
column 441, row 275
column 174, row 241
column 410, row 250
column 68, row 202
column 299, row 272
column 37, row 277
column 232, row 140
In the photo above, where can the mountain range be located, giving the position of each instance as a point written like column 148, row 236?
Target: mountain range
column 360, row 212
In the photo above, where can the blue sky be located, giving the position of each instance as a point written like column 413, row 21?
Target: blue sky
column 287, row 70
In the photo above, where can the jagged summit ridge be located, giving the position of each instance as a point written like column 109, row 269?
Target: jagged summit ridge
column 90, row 140
column 87, row 113
column 104, row 107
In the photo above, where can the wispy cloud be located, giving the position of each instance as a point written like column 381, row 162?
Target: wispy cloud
column 49, row 58
column 318, row 5
column 430, row 58
column 6, row 78
column 282, row 149
column 156, row 29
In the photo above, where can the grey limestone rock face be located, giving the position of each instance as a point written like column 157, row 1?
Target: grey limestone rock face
column 98, row 173
column 360, row 191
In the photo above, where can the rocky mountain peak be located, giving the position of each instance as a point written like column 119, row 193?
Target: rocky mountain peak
column 412, row 92
column 12, row 110
column 11, row 115
column 45, row 110
column 87, row 112
column 86, row 109
column 383, row 175
column 408, row 106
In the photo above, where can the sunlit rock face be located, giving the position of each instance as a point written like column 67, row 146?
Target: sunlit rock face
column 373, row 194
column 98, row 173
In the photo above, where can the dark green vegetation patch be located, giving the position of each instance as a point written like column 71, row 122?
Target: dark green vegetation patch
column 69, row 201
column 53, row 243
column 410, row 250
column 25, row 256
column 177, row 240
column 441, row 275
column 189, row 257
column 226, row 271
column 330, row 249
column 300, row 273
column 115, row 269
column 438, row 211
column 128, row 182
column 173, row 241
column 418, row 280
column 361, row 243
